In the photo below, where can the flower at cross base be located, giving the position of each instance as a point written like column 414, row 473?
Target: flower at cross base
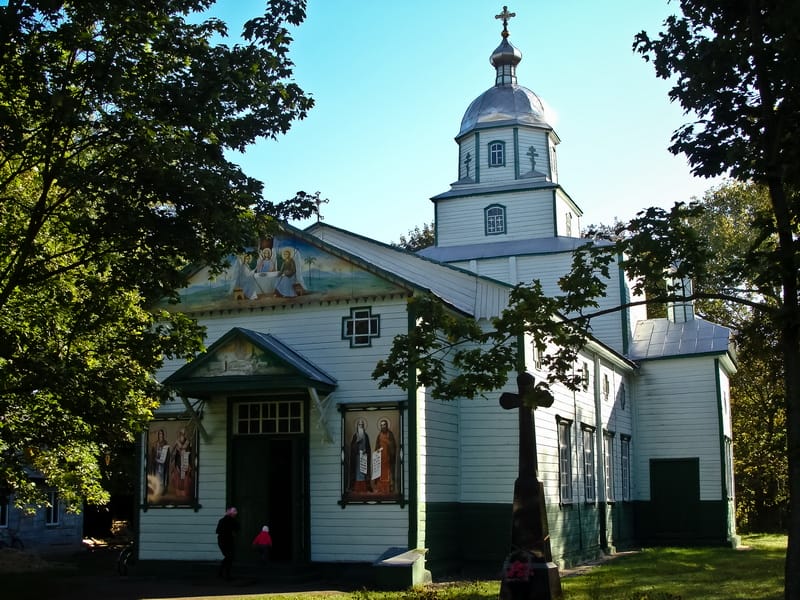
column 518, row 566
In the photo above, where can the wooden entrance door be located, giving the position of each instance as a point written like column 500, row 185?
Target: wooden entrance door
column 675, row 496
column 266, row 487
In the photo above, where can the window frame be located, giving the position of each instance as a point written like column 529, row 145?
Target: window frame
column 625, row 466
column 52, row 512
column 351, row 325
column 608, row 464
column 589, row 463
column 490, row 226
column 566, row 492
column 493, row 148
column 268, row 416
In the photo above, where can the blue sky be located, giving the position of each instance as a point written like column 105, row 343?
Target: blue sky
column 392, row 79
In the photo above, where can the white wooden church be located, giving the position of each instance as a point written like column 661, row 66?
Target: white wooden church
column 281, row 418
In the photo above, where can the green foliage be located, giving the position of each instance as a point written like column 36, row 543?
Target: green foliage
column 418, row 238
column 115, row 121
column 735, row 66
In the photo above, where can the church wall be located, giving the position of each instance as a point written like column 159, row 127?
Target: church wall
column 677, row 417
column 439, row 456
column 497, row 175
column 183, row 534
column 359, row 532
column 460, row 221
column 538, row 139
column 466, row 147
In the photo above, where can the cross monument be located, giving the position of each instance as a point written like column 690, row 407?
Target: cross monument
column 529, row 572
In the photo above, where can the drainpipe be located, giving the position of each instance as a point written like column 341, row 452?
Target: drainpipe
column 600, row 455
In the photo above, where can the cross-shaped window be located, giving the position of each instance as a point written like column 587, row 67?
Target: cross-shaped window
column 360, row 327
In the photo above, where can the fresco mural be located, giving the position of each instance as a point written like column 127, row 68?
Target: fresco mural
column 279, row 270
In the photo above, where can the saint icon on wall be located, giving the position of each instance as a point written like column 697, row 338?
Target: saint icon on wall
column 371, row 457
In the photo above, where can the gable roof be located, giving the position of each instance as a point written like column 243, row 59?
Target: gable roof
column 261, row 361
column 471, row 294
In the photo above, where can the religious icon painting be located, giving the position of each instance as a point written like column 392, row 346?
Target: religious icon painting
column 171, row 463
column 372, row 454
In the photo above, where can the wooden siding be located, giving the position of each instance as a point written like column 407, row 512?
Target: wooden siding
column 336, row 534
column 163, row 532
column 537, row 138
column 529, row 214
column 491, row 176
column 37, row 535
column 677, row 417
column 439, row 456
column 467, row 146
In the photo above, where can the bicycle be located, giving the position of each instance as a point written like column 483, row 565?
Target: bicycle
column 127, row 557
column 9, row 539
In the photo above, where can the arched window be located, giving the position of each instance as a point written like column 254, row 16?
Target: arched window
column 495, row 217
column 497, row 154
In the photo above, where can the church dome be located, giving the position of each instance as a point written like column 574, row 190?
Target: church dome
column 506, row 103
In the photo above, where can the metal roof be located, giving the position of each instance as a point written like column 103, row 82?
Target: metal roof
column 296, row 370
column 480, row 297
column 662, row 338
column 459, row 190
column 550, row 245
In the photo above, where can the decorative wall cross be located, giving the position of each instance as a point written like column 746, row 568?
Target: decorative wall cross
column 505, row 15
column 467, row 160
column 532, row 154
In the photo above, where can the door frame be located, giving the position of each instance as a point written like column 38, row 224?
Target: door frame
column 301, row 547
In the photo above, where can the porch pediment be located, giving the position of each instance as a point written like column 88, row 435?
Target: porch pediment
column 244, row 360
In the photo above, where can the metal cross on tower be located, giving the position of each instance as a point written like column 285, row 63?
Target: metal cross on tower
column 505, row 15
column 319, row 202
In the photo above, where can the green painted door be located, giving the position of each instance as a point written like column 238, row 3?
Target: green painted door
column 675, row 497
column 266, row 487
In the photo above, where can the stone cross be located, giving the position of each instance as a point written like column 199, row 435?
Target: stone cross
column 505, row 15
column 529, row 531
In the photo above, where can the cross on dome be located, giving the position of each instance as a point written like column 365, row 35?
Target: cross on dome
column 505, row 15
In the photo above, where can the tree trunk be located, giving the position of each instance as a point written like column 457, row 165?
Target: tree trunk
column 792, row 374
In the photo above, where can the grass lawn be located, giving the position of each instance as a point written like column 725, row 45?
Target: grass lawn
column 754, row 572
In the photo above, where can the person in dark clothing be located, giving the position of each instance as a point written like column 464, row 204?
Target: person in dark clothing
column 227, row 527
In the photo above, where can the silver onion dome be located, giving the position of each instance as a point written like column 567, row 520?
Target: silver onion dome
column 506, row 103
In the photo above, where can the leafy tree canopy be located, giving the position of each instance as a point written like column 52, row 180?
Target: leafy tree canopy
column 418, row 238
column 115, row 123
